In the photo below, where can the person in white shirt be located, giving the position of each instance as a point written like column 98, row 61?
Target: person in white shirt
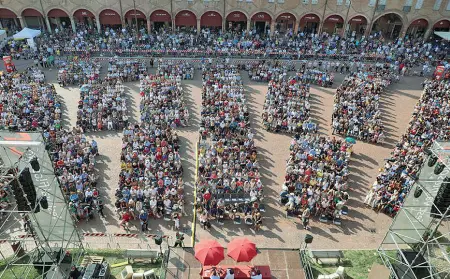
column 230, row 274
column 256, row 275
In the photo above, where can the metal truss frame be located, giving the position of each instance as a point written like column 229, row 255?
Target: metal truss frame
column 36, row 239
column 431, row 241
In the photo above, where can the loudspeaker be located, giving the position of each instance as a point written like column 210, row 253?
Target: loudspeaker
column 308, row 238
column 418, row 192
column 43, row 202
column 432, row 160
column 442, row 199
column 439, row 168
column 35, row 164
column 158, row 240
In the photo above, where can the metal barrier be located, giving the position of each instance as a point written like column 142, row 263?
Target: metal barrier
column 247, row 54
column 306, row 264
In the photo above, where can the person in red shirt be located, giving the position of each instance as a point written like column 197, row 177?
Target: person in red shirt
column 126, row 217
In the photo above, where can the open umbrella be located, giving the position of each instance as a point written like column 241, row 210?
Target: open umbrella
column 209, row 252
column 241, row 250
column 350, row 140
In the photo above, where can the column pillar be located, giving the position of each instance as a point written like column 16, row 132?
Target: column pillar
column 428, row 32
column 49, row 27
column 128, row 21
column 58, row 23
column 403, row 31
column 297, row 25
column 198, row 26
column 173, row 24
column 99, row 26
column 72, row 22
column 320, row 28
column 272, row 27
column 149, row 26
column 248, row 25
column 224, row 22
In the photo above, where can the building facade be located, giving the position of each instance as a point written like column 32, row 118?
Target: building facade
column 346, row 17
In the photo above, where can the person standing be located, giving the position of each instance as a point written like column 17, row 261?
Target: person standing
column 143, row 218
column 305, row 218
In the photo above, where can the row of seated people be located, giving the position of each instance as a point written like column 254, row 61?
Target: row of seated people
column 356, row 111
column 227, row 155
column 316, row 176
column 428, row 123
column 162, row 101
column 286, row 106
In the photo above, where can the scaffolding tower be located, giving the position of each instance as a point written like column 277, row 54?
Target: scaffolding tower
column 43, row 238
column 419, row 234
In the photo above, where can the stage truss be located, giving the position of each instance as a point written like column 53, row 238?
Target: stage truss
column 50, row 233
column 415, row 229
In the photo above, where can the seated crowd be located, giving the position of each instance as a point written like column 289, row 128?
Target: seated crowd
column 317, row 77
column 286, row 106
column 32, row 106
column 150, row 180
column 172, row 69
column 102, row 106
column 316, row 178
column 428, row 123
column 126, row 70
column 127, row 38
column 162, row 101
column 74, row 162
column 78, row 72
column 27, row 103
column 266, row 70
column 356, row 110
column 228, row 162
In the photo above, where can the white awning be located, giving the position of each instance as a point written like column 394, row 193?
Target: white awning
column 443, row 35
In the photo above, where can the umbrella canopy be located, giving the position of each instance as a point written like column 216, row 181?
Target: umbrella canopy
column 27, row 33
column 209, row 252
column 241, row 250
column 350, row 140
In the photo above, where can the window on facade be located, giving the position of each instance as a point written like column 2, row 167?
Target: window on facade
column 372, row 3
column 339, row 2
column 382, row 2
column 281, row 1
column 348, row 2
column 437, row 5
column 419, row 4
column 448, row 6
column 406, row 9
column 314, row 2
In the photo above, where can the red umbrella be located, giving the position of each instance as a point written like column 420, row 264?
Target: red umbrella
column 209, row 252
column 241, row 250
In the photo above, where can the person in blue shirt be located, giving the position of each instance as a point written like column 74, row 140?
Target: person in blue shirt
column 143, row 218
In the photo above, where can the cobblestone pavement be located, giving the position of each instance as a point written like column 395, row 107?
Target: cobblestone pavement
column 362, row 228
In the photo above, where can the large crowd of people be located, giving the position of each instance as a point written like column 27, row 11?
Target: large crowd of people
column 316, row 179
column 173, row 69
column 428, row 123
column 150, row 180
column 356, row 110
column 267, row 70
column 102, row 106
column 77, row 71
column 27, row 102
column 228, row 163
column 126, row 69
column 286, row 106
column 30, row 104
column 162, row 101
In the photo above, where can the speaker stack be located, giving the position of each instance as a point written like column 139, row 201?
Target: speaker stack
column 24, row 191
column 442, row 199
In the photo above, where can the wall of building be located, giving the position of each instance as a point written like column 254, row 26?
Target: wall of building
column 298, row 8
